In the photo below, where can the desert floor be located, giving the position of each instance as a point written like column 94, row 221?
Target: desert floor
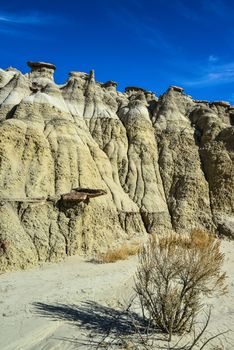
column 69, row 305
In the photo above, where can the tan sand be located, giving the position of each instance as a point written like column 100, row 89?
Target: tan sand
column 49, row 307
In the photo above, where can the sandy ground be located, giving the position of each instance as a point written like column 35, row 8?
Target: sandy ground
column 60, row 306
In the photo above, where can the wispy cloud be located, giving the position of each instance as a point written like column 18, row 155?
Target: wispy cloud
column 215, row 75
column 31, row 18
column 187, row 11
column 141, row 28
column 213, row 58
column 18, row 25
column 216, row 7
column 203, row 8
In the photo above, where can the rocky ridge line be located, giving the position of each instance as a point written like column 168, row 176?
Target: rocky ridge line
column 163, row 163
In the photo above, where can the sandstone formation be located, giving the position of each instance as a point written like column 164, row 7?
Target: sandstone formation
column 156, row 164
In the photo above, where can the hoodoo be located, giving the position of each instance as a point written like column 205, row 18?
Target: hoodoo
column 41, row 69
column 110, row 85
column 84, row 167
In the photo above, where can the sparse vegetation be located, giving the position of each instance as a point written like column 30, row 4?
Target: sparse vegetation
column 124, row 329
column 173, row 273
column 120, row 253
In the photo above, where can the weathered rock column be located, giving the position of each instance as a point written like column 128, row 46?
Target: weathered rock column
column 41, row 70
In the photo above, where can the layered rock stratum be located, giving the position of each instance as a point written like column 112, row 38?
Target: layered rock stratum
column 84, row 167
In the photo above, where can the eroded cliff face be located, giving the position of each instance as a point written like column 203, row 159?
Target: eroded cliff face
column 163, row 164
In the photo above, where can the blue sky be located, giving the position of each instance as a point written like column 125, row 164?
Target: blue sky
column 147, row 43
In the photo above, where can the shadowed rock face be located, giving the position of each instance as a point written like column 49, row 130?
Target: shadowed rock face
column 162, row 164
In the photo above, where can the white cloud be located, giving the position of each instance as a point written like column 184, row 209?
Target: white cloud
column 213, row 58
column 31, row 18
column 218, row 74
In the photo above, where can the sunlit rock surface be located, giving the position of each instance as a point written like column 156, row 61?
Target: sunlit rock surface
column 163, row 163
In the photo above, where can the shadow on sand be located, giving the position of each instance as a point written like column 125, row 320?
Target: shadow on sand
column 101, row 322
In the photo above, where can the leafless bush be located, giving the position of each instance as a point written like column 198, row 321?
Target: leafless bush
column 174, row 272
column 141, row 335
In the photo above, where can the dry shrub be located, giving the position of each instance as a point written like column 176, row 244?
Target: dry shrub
column 121, row 253
column 174, row 272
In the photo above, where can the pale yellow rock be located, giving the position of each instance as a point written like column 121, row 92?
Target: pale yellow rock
column 165, row 164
